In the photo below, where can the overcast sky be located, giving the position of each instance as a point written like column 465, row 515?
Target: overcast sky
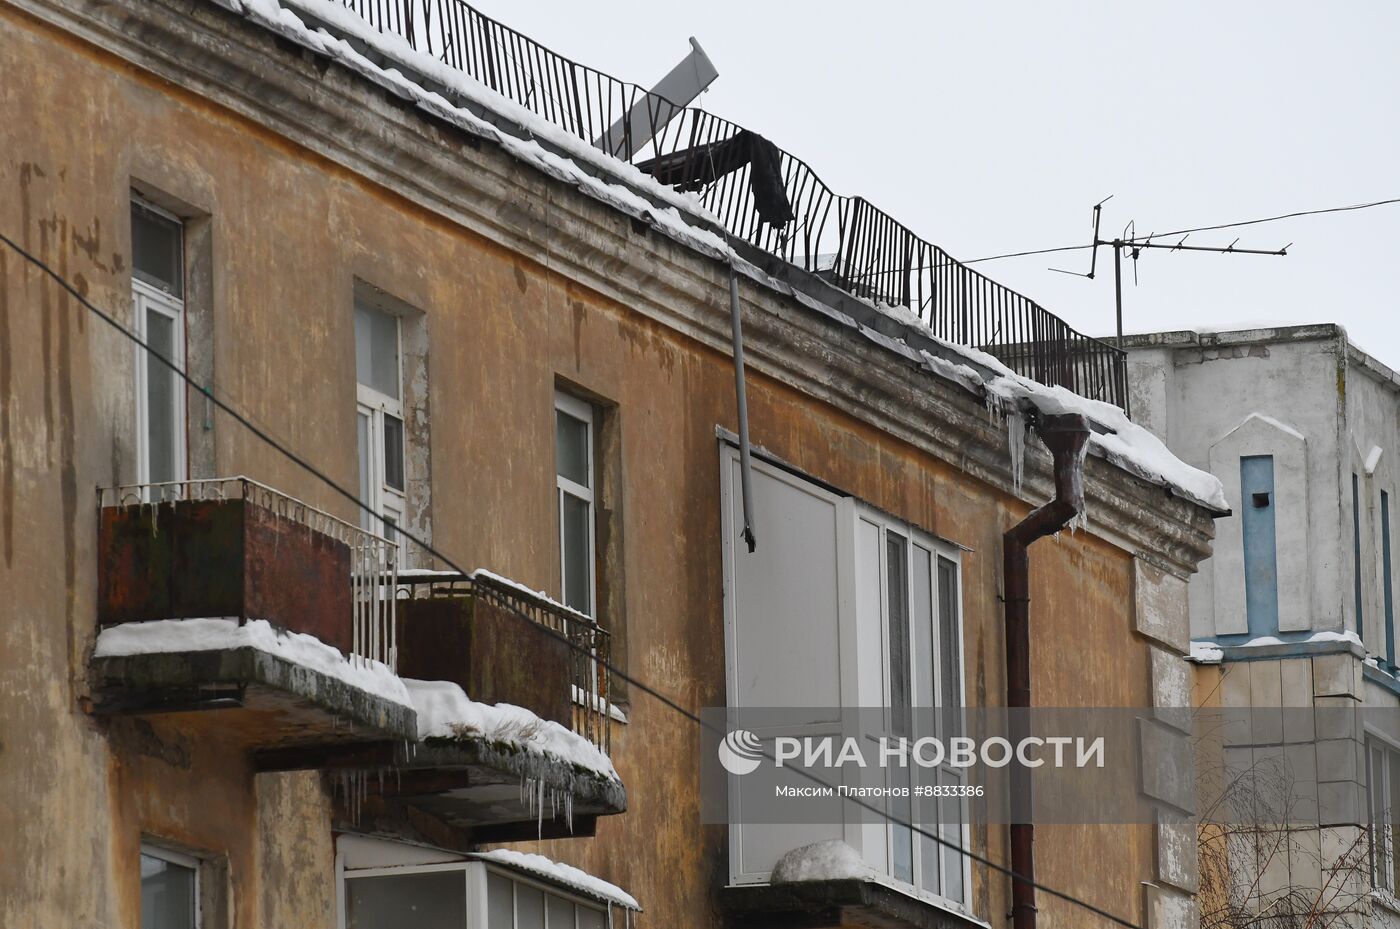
column 994, row 127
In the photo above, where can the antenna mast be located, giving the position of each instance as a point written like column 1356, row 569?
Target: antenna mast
column 1135, row 245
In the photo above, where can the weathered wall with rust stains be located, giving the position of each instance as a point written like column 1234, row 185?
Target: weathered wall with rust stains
column 290, row 232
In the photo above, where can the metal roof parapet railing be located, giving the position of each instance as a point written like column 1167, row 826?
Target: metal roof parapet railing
column 761, row 194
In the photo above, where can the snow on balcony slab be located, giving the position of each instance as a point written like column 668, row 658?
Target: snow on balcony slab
column 446, row 712
column 563, row 874
column 168, row 636
column 830, row 860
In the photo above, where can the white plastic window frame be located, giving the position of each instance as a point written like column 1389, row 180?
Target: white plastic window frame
column 1381, row 841
column 937, row 549
column 180, row 860
column 857, row 689
column 386, row 500
column 147, row 297
column 581, row 410
column 474, row 888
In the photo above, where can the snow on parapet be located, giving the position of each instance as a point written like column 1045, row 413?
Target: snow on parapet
column 831, row 860
column 281, row 17
column 446, row 712
column 166, row 636
column 1126, row 445
column 1117, row 439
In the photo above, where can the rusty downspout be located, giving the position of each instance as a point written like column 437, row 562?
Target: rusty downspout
column 1067, row 436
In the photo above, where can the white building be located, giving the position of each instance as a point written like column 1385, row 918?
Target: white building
column 1296, row 606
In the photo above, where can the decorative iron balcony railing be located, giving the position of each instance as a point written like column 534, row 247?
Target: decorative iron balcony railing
column 273, row 555
column 762, row 195
column 583, row 661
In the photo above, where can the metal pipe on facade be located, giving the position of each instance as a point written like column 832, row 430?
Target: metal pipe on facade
column 742, row 400
column 1067, row 437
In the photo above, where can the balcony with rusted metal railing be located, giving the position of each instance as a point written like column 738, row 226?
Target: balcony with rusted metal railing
column 764, row 197
column 464, row 697
column 227, row 594
column 502, row 773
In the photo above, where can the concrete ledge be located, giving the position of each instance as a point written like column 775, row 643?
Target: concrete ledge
column 274, row 701
column 1276, row 650
column 812, row 904
column 480, row 784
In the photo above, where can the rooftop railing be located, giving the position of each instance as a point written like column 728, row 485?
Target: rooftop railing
column 761, row 194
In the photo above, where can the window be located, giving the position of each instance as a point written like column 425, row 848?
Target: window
column 1356, row 554
column 924, row 662
column 169, row 889
column 518, row 904
column 467, row 895
column 379, row 417
column 844, row 607
column 1386, row 589
column 158, row 287
column 1260, row 554
column 1383, row 809
column 575, row 484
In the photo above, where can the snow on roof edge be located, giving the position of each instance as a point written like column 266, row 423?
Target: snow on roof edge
column 1124, row 444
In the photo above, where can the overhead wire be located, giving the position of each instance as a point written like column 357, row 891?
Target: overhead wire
column 1212, row 228
column 642, row 687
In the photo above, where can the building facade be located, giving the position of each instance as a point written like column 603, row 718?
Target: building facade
column 1293, row 609
column 234, row 696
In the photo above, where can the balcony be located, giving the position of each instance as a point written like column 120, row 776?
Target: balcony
column 226, row 594
column 525, row 756
column 464, row 697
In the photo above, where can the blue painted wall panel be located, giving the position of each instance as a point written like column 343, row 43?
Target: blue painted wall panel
column 1260, row 556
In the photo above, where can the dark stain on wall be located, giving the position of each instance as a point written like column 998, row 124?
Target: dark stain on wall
column 68, row 469
column 578, row 315
column 7, row 449
column 139, row 737
column 46, row 340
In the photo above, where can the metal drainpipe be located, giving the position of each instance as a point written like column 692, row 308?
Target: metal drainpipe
column 1066, row 435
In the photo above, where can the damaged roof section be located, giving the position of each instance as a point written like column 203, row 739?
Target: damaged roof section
column 936, row 322
column 696, row 177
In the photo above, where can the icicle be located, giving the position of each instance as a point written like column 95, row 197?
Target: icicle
column 539, row 821
column 1016, row 446
column 1080, row 521
column 993, row 401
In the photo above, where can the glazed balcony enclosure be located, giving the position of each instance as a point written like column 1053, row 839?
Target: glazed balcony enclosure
column 227, row 594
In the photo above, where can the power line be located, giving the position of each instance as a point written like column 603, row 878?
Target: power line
column 1245, row 222
column 666, row 701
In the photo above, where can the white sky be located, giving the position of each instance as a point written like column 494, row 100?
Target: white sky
column 994, row 127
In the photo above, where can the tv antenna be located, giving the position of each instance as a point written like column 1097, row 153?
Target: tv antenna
column 1135, row 245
